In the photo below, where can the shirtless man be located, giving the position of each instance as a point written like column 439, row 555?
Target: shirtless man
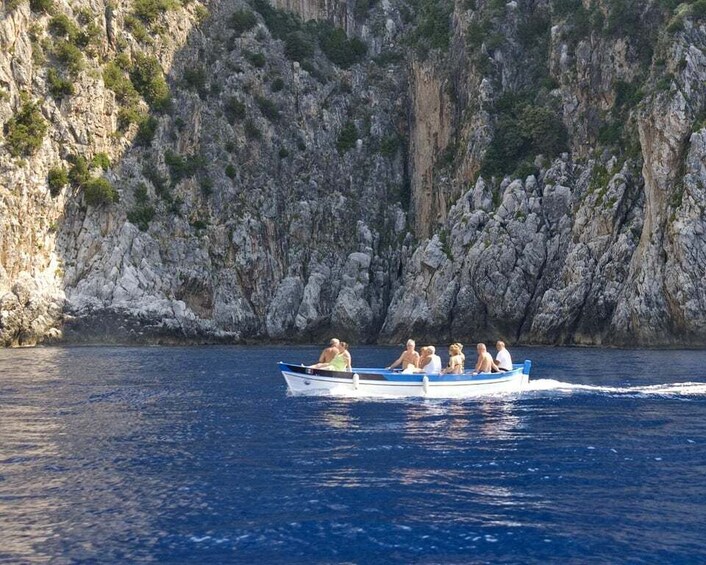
column 409, row 357
column 330, row 352
column 485, row 360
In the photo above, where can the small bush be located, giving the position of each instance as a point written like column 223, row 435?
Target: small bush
column 201, row 13
column 283, row 153
column 241, row 21
column 230, row 171
column 195, row 79
column 142, row 213
column 147, row 127
column 433, row 30
column 148, row 79
column 99, row 191
column 57, row 179
column 116, row 80
column 182, row 167
column 199, row 225
column 25, row 131
column 523, row 130
column 70, row 56
column 62, row 26
column 347, row 137
column 153, row 174
column 339, row 49
column 234, row 109
column 268, row 108
column 298, row 46
column 388, row 57
column 138, row 29
column 79, row 173
column 252, row 131
column 11, row 5
column 101, row 161
column 206, row 185
column 277, row 85
column 46, row 6
column 141, row 216
column 58, row 85
column 256, row 59
column 279, row 22
column 389, row 146
column 149, row 10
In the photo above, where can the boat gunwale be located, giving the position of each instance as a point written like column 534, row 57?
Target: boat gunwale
column 384, row 376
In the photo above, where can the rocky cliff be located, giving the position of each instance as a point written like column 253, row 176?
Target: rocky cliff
column 248, row 170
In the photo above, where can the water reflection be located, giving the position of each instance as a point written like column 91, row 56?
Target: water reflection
column 75, row 455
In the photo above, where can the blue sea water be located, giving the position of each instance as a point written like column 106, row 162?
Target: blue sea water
column 199, row 455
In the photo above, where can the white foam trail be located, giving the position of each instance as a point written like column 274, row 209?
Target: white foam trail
column 666, row 389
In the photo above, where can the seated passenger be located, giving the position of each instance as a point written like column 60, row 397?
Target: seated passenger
column 341, row 362
column 432, row 365
column 455, row 360
column 485, row 361
column 409, row 357
column 502, row 358
column 423, row 358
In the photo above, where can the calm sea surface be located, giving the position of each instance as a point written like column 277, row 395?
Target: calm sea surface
column 128, row 455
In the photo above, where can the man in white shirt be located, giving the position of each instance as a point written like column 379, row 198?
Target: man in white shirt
column 433, row 366
column 502, row 358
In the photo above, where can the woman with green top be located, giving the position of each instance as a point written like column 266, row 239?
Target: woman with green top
column 341, row 362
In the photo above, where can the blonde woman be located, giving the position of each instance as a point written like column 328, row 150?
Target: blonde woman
column 455, row 360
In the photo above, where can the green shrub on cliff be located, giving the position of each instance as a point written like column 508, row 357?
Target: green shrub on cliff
column 234, row 109
column 25, row 131
column 142, row 212
column 347, row 138
column 58, row 85
column 241, row 21
column 279, row 22
column 99, row 191
column 299, row 46
column 148, row 79
column 62, row 26
column 70, row 56
column 433, row 25
column 57, row 179
column 46, row 6
column 338, row 48
column 11, row 5
column 146, row 130
column 268, row 108
column 523, row 130
column 149, row 10
column 79, row 172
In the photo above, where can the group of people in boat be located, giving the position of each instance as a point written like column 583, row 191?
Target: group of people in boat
column 427, row 361
column 336, row 357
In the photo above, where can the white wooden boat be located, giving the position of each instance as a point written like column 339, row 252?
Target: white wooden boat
column 376, row 382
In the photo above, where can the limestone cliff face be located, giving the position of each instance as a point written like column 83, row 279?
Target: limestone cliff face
column 447, row 170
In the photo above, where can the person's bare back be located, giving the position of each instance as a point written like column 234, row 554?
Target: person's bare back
column 485, row 360
column 330, row 352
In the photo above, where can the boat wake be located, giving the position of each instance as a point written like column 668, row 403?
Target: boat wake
column 667, row 389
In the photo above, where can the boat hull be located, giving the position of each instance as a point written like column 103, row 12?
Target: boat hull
column 382, row 383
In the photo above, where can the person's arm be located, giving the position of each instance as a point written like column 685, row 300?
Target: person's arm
column 396, row 362
column 322, row 356
column 416, row 360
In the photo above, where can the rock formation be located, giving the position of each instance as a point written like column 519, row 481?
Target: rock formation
column 285, row 170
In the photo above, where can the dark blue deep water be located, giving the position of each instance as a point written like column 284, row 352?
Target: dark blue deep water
column 129, row 455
